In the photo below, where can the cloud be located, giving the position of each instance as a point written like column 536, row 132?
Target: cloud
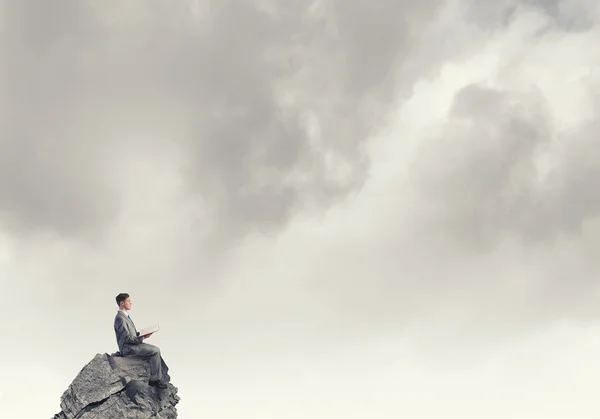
column 428, row 182
column 270, row 103
column 479, row 228
column 51, row 148
column 501, row 205
column 480, row 178
column 512, row 163
column 283, row 114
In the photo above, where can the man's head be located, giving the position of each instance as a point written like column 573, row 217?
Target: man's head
column 123, row 301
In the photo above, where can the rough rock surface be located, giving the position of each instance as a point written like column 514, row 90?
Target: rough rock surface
column 114, row 387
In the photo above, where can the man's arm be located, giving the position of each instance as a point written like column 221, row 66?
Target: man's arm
column 123, row 330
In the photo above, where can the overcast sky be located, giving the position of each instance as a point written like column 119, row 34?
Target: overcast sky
column 334, row 209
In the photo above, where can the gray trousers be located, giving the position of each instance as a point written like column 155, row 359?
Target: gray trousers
column 151, row 352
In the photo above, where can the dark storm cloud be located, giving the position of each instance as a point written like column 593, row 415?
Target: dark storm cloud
column 240, row 89
column 50, row 159
column 481, row 180
column 575, row 183
column 570, row 15
column 254, row 157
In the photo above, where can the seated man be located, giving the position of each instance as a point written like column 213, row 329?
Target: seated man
column 131, row 344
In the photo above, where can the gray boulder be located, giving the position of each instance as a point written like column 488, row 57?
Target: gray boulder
column 114, row 387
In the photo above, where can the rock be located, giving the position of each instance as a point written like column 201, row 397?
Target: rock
column 114, row 387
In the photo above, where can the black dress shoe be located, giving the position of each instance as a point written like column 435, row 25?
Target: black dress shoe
column 157, row 383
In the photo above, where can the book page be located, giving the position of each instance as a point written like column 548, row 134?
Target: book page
column 150, row 329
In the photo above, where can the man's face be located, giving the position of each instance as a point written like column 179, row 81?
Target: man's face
column 126, row 304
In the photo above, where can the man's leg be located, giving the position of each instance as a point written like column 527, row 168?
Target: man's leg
column 146, row 350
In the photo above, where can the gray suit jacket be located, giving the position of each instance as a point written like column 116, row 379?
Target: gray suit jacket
column 126, row 332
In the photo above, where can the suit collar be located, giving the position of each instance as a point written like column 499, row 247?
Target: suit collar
column 123, row 313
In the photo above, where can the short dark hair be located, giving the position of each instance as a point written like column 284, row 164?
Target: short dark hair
column 121, row 297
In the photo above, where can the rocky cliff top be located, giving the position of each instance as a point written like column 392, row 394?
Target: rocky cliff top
column 114, row 387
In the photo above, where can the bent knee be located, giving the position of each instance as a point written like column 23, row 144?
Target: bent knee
column 150, row 349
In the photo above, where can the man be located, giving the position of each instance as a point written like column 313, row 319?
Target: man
column 132, row 345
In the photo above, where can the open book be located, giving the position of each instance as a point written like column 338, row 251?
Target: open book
column 152, row 329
